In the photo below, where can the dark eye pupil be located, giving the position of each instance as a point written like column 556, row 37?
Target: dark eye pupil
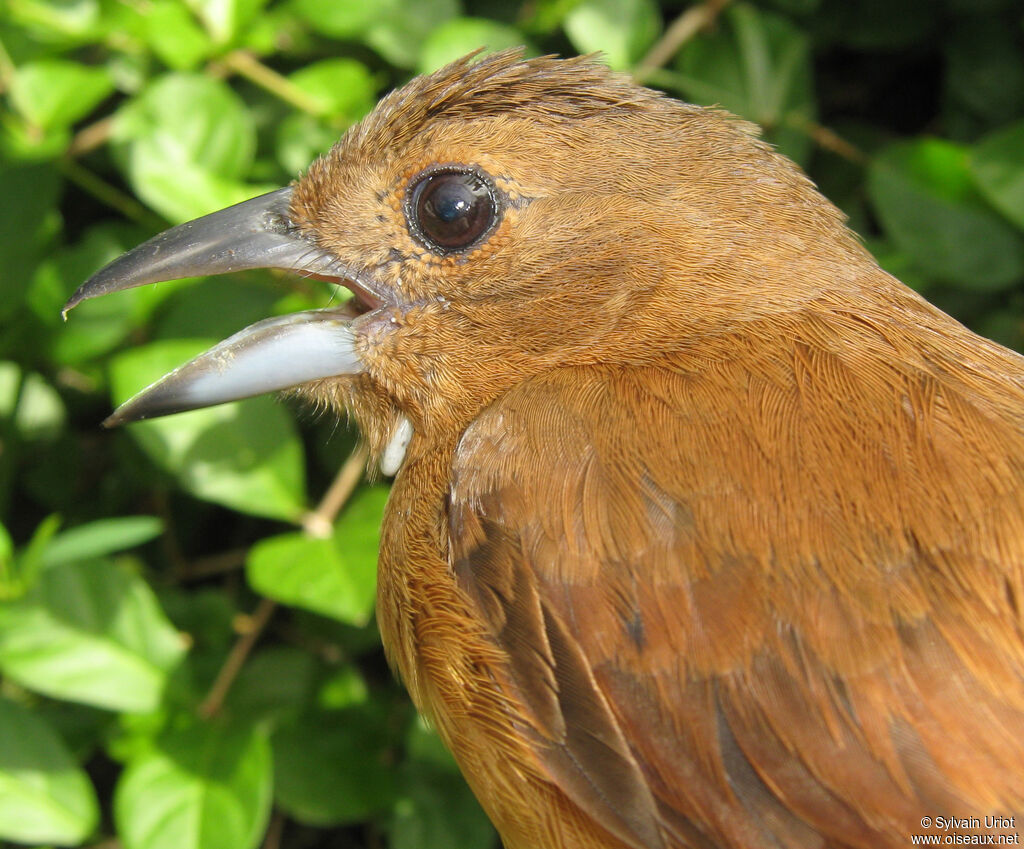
column 451, row 211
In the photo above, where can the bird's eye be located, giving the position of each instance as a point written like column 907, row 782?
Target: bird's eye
column 450, row 211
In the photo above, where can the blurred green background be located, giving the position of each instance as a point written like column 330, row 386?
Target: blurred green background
column 187, row 651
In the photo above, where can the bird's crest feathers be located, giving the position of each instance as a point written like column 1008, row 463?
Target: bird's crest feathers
column 473, row 87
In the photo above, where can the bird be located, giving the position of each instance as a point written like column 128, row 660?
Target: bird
column 705, row 530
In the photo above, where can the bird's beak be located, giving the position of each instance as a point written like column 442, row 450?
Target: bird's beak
column 277, row 353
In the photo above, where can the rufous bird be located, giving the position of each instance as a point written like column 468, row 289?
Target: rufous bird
column 706, row 531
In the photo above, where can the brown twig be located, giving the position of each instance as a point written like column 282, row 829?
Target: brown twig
column 314, row 522
column 275, row 831
column 239, row 653
column 320, row 522
column 247, row 65
column 829, row 140
column 680, row 31
column 215, row 564
column 72, row 378
column 91, row 137
column 169, row 538
column 110, row 843
column 108, row 194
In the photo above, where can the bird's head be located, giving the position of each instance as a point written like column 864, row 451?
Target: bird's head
column 495, row 219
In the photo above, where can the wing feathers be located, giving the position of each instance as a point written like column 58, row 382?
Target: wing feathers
column 769, row 604
column 581, row 742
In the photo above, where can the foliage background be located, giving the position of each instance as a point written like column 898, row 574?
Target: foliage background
column 187, row 652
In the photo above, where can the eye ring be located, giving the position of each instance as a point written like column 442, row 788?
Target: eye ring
column 452, row 209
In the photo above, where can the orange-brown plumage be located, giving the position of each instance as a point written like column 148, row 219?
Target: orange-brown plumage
column 710, row 533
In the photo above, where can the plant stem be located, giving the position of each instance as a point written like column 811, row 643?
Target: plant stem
column 314, row 523
column 247, row 65
column 239, row 653
column 320, row 522
column 108, row 194
column 681, row 30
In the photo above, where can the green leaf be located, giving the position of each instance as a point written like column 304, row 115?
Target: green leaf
column 21, row 571
column 459, row 36
column 925, row 198
column 90, row 632
column 186, row 142
column 984, row 73
column 56, row 92
column 202, row 787
column 44, row 796
column 878, row 25
column 543, row 17
column 83, row 729
column 401, row 27
column 435, row 807
column 206, row 615
column 335, row 576
column 424, row 745
column 105, row 536
column 621, row 29
column 175, row 36
column 273, row 27
column 759, row 67
column 437, row 810
column 997, row 165
column 345, row 687
column 216, row 307
column 394, row 28
column 191, row 191
column 98, row 325
column 898, row 264
column 333, row 768
column 67, row 22
column 28, row 220
column 340, row 18
column 192, row 118
column 300, row 139
column 35, row 406
column 65, row 268
column 246, row 455
column 224, row 19
column 343, row 88
column 24, row 142
column 275, row 682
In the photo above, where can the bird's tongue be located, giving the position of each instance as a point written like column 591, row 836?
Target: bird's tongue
column 277, row 353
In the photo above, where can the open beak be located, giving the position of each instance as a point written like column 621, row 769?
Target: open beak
column 277, row 353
